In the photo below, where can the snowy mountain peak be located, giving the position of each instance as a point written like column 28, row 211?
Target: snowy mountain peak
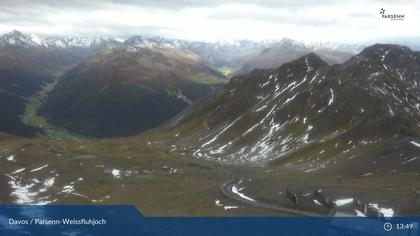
column 153, row 42
column 290, row 43
column 18, row 38
column 79, row 41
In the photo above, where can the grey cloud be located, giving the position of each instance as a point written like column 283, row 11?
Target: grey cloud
column 285, row 17
column 10, row 15
column 171, row 4
column 360, row 15
column 61, row 16
column 125, row 31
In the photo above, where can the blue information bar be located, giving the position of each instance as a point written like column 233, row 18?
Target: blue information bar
column 127, row 220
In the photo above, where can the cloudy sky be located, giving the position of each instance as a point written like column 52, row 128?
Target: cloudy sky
column 209, row 20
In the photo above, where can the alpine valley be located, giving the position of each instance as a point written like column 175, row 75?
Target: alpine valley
column 177, row 127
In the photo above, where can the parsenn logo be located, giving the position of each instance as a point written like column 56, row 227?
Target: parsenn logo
column 392, row 16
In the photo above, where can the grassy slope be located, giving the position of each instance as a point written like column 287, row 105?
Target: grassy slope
column 191, row 191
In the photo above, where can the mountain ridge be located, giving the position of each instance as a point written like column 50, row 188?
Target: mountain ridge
column 263, row 116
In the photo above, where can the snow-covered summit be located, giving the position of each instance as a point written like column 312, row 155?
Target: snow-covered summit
column 19, row 39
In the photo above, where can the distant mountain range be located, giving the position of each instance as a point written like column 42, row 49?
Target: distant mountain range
column 217, row 54
column 287, row 50
column 109, row 87
column 20, row 39
column 306, row 112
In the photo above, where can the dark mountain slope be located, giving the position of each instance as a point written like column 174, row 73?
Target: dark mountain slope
column 25, row 67
column 307, row 113
column 126, row 90
column 15, row 87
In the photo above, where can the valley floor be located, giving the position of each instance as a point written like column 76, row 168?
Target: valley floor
column 32, row 118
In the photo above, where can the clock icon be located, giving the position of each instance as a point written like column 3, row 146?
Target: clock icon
column 387, row 226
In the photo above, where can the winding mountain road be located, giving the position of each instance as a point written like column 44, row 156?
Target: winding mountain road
column 226, row 189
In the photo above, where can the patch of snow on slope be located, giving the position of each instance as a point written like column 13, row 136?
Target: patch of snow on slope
column 11, row 158
column 342, row 202
column 314, row 77
column 308, row 66
column 331, row 98
column 39, row 168
column 261, row 108
column 415, row 144
column 25, row 193
column 301, row 82
column 265, row 84
column 116, row 173
column 290, row 99
column 19, row 170
column 399, row 74
column 220, row 149
column 384, row 55
column 49, row 182
column 387, row 212
column 237, row 190
column 221, row 132
column 287, row 87
column 409, row 160
column 359, row 213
